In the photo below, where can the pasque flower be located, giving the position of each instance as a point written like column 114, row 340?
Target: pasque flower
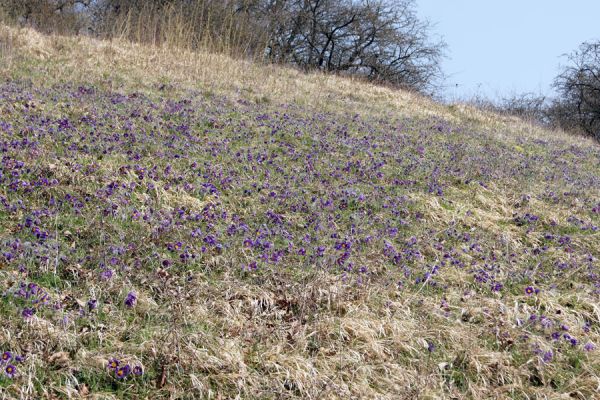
column 113, row 363
column 6, row 356
column 10, row 371
column 123, row 372
column 131, row 299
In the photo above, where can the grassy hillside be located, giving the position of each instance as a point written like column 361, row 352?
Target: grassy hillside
column 184, row 225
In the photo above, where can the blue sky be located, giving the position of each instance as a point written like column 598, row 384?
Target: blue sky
column 497, row 48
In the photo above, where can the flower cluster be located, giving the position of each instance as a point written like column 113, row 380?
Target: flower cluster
column 530, row 290
column 33, row 297
column 7, row 360
column 525, row 219
column 123, row 370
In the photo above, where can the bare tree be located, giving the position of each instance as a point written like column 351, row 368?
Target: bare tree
column 529, row 106
column 579, row 88
column 61, row 16
column 378, row 39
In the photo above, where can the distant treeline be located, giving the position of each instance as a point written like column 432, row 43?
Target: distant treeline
column 575, row 108
column 380, row 40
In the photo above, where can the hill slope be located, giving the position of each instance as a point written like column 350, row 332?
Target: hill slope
column 232, row 230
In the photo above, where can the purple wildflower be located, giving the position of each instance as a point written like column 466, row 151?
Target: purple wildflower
column 131, row 299
column 113, row 363
column 92, row 304
column 107, row 274
column 6, row 356
column 430, row 347
column 589, row 346
column 10, row 371
column 123, row 372
column 529, row 290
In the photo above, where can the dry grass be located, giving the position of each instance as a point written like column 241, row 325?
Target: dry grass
column 132, row 66
column 294, row 333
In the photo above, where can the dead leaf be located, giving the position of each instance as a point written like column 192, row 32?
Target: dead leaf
column 60, row 359
column 83, row 390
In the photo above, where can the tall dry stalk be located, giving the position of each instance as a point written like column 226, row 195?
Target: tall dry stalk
column 7, row 47
column 212, row 27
